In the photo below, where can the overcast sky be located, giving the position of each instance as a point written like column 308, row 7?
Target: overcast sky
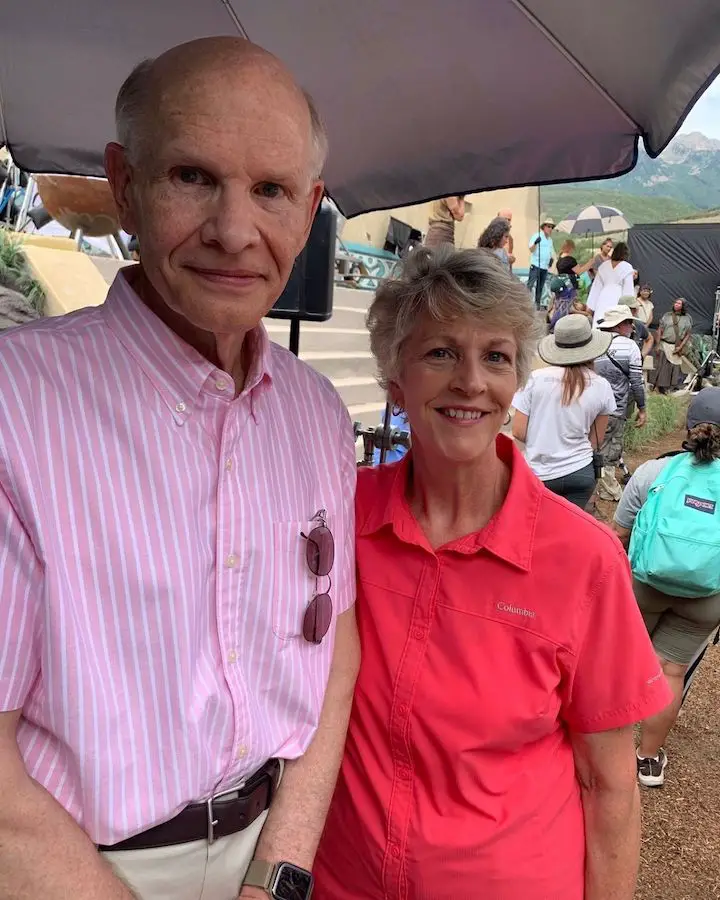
column 705, row 117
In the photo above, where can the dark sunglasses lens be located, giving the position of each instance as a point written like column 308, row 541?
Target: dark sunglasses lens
column 317, row 619
column 320, row 550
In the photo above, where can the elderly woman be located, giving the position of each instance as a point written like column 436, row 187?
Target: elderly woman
column 490, row 751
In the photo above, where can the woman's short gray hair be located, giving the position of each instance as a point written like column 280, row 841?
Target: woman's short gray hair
column 447, row 284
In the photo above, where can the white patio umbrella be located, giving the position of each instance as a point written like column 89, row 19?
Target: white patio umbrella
column 421, row 99
column 594, row 220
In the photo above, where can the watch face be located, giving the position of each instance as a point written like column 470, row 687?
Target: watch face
column 292, row 883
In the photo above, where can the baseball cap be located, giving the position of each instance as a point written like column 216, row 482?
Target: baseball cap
column 614, row 315
column 704, row 408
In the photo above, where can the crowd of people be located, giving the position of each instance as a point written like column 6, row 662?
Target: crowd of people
column 234, row 668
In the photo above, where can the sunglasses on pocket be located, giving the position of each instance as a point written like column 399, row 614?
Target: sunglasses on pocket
column 320, row 556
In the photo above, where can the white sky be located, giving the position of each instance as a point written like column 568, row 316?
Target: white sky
column 705, row 116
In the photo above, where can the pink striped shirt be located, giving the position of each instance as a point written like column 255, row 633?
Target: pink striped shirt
column 152, row 573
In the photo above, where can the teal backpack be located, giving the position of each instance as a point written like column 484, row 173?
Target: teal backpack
column 675, row 543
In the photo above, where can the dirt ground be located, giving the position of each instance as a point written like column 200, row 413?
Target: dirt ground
column 681, row 822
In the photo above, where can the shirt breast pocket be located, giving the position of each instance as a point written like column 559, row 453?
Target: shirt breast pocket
column 293, row 582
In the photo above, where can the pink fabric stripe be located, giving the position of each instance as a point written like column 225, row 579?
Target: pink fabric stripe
column 152, row 597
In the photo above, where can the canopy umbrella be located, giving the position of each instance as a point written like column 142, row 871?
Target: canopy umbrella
column 421, row 99
column 594, row 220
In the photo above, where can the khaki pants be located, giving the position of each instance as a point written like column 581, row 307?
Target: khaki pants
column 194, row 871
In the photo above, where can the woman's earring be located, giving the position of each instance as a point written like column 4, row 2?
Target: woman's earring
column 508, row 420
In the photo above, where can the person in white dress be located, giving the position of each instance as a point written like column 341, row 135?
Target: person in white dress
column 614, row 279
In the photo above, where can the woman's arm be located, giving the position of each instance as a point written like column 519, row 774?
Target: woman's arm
column 606, row 770
column 520, row 426
column 597, row 432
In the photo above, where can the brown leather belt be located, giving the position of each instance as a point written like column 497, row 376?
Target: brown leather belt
column 215, row 818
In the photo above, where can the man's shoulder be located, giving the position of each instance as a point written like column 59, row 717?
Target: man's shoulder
column 50, row 329
column 49, row 343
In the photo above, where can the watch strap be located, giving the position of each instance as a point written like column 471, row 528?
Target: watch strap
column 260, row 874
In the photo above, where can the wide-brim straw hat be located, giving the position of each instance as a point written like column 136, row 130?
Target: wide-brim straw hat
column 574, row 341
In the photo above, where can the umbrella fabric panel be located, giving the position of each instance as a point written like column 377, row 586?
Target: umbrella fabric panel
column 420, row 100
column 594, row 220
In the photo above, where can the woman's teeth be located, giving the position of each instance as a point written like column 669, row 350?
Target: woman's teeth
column 462, row 413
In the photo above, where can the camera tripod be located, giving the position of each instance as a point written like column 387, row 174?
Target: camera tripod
column 382, row 438
column 713, row 357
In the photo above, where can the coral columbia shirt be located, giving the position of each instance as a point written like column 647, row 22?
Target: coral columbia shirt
column 458, row 780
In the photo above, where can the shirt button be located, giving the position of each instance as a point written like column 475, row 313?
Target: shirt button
column 221, row 384
column 395, row 850
column 242, row 751
column 230, row 561
column 180, row 407
column 404, row 773
column 232, row 656
column 403, row 709
column 228, row 464
column 418, row 634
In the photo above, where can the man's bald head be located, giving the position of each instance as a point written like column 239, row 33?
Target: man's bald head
column 505, row 214
column 153, row 83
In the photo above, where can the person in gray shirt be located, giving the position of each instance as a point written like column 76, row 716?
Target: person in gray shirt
column 622, row 367
column 678, row 626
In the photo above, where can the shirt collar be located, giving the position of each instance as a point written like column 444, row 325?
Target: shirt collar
column 176, row 370
column 510, row 534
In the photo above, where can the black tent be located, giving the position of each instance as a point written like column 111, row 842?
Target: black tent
column 679, row 261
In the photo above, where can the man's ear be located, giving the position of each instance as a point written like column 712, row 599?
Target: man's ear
column 119, row 173
column 316, row 195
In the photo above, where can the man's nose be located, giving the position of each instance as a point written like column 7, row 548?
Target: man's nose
column 232, row 220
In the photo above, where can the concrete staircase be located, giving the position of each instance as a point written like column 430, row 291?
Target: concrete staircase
column 340, row 349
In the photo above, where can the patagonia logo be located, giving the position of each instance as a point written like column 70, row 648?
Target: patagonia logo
column 516, row 610
column 698, row 503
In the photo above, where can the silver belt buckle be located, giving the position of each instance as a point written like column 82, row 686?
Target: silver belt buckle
column 212, row 821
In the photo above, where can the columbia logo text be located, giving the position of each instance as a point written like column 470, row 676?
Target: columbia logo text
column 515, row 610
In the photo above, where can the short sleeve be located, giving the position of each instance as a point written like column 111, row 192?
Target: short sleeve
column 522, row 401
column 616, row 678
column 608, row 406
column 636, row 492
column 21, row 579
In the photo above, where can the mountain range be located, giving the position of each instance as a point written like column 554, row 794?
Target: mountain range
column 684, row 180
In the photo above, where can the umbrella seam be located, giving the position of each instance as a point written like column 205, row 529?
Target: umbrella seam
column 574, row 61
column 234, row 16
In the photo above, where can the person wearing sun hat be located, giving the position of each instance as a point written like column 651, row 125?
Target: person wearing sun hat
column 622, row 367
column 541, row 258
column 562, row 412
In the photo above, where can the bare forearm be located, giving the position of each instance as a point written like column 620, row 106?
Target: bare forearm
column 43, row 853
column 612, row 836
column 297, row 816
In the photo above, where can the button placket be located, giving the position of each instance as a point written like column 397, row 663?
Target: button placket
column 229, row 581
column 400, row 805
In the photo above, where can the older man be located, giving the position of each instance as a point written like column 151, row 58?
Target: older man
column 179, row 645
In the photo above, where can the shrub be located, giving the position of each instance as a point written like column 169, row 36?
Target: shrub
column 14, row 271
column 665, row 413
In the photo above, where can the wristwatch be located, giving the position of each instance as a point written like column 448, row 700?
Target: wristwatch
column 282, row 881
